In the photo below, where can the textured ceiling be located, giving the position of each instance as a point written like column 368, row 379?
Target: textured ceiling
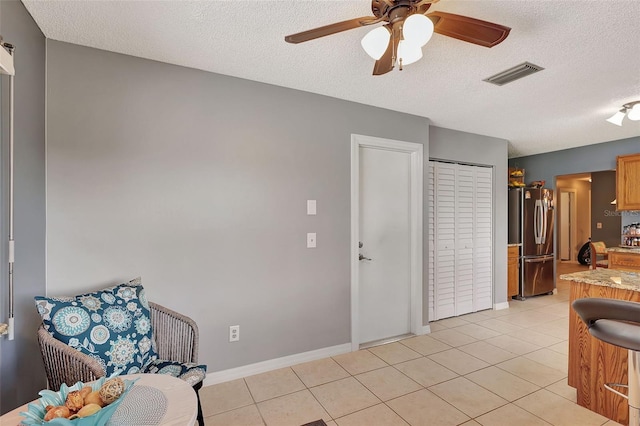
column 590, row 51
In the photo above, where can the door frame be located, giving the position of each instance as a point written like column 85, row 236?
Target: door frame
column 415, row 227
column 573, row 219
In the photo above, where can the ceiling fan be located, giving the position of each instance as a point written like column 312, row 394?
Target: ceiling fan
column 406, row 30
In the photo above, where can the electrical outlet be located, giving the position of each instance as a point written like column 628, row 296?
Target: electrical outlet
column 234, row 333
column 311, row 240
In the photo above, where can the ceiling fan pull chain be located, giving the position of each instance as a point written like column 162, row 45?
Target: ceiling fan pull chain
column 400, row 61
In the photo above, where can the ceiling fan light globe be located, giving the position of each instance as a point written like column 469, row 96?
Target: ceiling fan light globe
column 375, row 42
column 634, row 113
column 616, row 118
column 417, row 29
column 409, row 52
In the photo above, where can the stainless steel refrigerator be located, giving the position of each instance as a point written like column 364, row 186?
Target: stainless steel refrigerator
column 531, row 214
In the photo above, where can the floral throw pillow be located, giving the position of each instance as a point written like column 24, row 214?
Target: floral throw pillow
column 188, row 371
column 111, row 325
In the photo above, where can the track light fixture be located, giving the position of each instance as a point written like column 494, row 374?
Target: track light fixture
column 631, row 110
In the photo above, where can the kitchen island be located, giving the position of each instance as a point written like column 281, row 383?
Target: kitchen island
column 592, row 363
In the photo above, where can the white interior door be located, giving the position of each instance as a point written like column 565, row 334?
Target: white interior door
column 385, row 280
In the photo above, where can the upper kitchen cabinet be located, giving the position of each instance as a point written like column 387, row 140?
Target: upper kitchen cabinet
column 628, row 182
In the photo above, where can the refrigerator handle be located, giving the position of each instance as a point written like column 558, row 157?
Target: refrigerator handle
column 545, row 211
column 537, row 225
column 535, row 222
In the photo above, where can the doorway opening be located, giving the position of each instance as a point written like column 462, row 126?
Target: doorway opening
column 586, row 209
column 573, row 214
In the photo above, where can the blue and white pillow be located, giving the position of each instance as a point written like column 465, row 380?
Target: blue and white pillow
column 190, row 372
column 111, row 325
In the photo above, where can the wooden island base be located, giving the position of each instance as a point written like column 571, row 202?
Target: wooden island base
column 592, row 363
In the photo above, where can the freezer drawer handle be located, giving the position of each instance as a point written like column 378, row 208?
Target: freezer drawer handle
column 538, row 260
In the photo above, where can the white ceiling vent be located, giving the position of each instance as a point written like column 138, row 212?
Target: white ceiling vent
column 512, row 74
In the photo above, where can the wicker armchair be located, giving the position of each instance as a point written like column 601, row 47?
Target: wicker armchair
column 176, row 337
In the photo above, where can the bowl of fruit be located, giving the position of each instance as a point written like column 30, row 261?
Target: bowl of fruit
column 78, row 405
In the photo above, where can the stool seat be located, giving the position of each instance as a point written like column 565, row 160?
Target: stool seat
column 617, row 322
column 613, row 321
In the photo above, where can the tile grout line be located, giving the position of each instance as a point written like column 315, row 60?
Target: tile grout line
column 511, row 403
column 432, row 393
column 264, row 422
column 308, row 389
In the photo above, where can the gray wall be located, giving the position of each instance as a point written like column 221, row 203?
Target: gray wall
column 198, row 182
column 603, row 191
column 590, row 158
column 447, row 144
column 20, row 360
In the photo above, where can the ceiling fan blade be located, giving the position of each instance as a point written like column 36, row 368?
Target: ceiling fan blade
column 422, row 8
column 329, row 29
column 468, row 29
column 388, row 59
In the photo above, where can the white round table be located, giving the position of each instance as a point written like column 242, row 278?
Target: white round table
column 181, row 401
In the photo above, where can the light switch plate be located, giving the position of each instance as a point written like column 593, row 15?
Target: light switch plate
column 311, row 240
column 311, row 207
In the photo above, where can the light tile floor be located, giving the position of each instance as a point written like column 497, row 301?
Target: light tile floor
column 506, row 367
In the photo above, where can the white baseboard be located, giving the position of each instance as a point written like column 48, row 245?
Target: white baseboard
column 500, row 306
column 273, row 364
column 426, row 329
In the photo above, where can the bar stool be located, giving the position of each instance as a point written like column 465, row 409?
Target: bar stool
column 617, row 322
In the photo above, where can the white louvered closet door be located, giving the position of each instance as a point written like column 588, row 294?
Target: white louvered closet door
column 460, row 239
column 483, row 242
column 431, row 239
column 445, row 242
column 464, row 219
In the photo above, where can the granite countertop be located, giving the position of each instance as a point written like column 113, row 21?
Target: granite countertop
column 624, row 249
column 607, row 278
